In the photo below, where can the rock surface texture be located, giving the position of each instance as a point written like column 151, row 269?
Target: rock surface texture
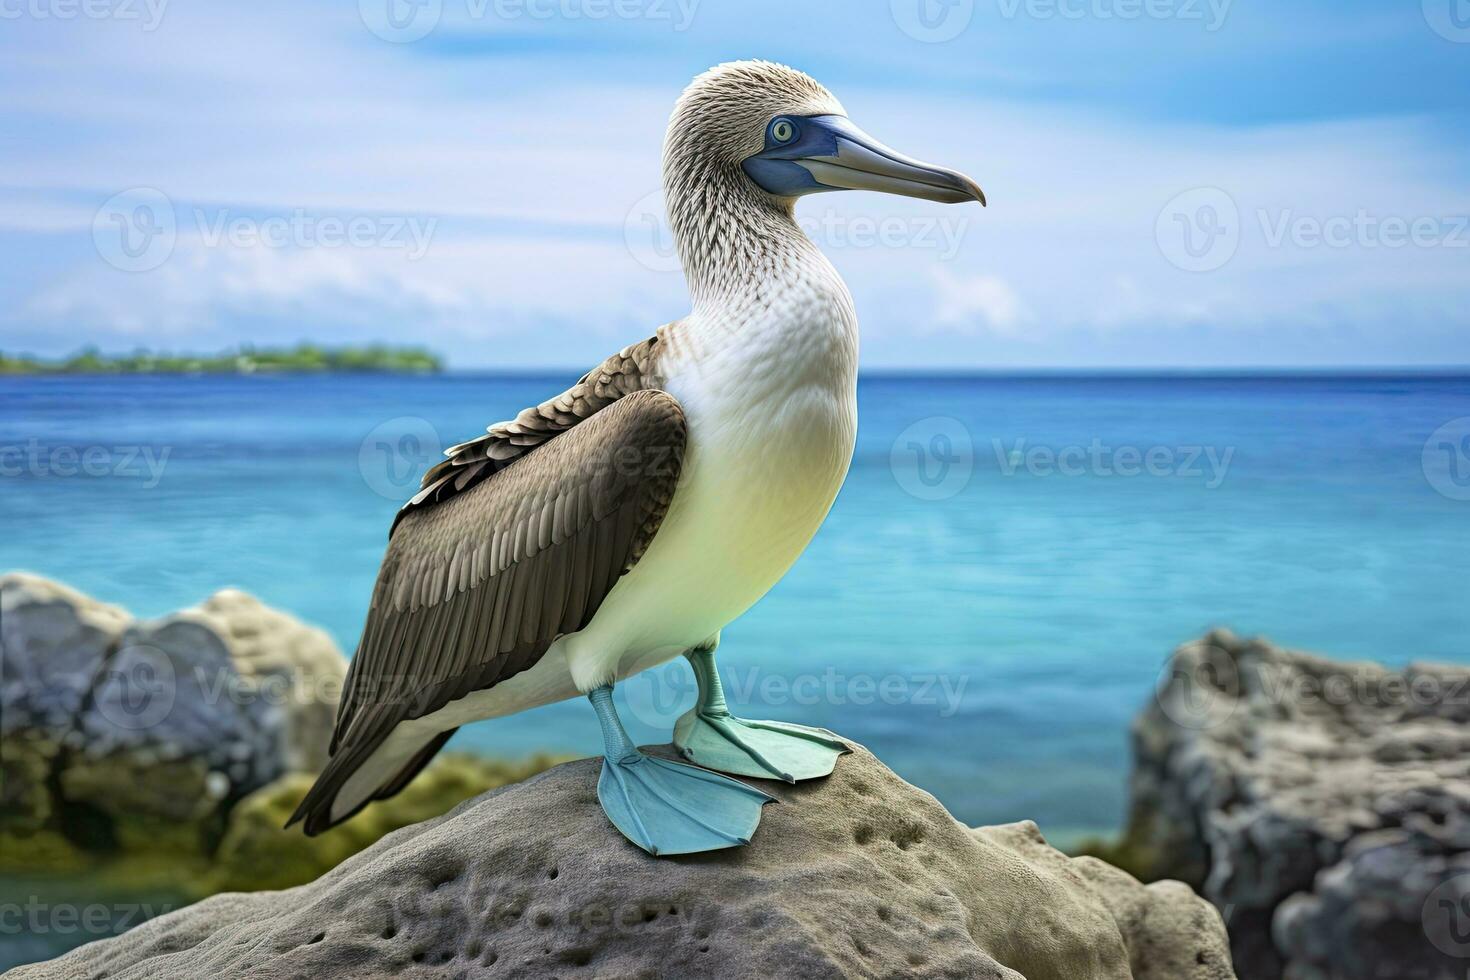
column 127, row 735
column 1323, row 807
column 857, row 875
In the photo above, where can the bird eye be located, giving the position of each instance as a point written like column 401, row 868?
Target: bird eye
column 782, row 131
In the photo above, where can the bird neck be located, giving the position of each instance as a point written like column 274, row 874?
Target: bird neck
column 737, row 244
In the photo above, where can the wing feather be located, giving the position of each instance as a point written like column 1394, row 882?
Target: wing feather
column 468, row 463
column 474, row 589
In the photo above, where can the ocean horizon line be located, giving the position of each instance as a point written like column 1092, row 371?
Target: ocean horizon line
column 1458, row 371
column 562, row 374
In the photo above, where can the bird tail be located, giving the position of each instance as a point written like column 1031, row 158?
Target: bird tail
column 347, row 785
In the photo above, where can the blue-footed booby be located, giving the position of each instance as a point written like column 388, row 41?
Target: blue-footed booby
column 630, row 518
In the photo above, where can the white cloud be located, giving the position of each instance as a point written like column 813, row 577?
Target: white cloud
column 981, row 303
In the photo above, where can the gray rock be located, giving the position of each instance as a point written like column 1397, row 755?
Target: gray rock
column 295, row 670
column 120, row 732
column 858, row 875
column 1323, row 807
column 52, row 639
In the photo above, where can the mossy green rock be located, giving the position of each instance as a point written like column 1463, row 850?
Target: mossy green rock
column 149, row 805
column 257, row 853
column 25, row 766
column 123, row 738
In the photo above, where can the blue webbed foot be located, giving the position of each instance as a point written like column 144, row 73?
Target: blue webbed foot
column 710, row 736
column 668, row 807
column 763, row 749
column 671, row 808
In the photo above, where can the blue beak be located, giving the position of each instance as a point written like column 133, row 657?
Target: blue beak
column 807, row 154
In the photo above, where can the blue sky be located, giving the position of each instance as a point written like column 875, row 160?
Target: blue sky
column 1197, row 183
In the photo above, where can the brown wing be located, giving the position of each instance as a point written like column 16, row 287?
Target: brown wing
column 474, row 590
column 630, row 369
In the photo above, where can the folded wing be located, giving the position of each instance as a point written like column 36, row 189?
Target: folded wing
column 475, row 588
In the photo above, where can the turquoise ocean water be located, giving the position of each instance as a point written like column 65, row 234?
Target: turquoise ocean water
column 989, row 603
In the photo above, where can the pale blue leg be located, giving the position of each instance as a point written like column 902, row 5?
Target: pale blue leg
column 709, row 735
column 667, row 807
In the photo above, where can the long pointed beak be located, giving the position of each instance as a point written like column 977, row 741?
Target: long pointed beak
column 830, row 153
column 862, row 163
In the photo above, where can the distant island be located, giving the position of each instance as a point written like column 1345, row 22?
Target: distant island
column 301, row 359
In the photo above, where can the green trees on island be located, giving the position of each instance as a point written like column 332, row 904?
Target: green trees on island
column 246, row 360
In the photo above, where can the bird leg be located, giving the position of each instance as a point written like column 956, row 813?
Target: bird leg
column 708, row 734
column 667, row 807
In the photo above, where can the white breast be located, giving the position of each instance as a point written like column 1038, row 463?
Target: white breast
column 769, row 387
column 770, row 394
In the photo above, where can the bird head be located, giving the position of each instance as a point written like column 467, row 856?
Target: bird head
column 790, row 137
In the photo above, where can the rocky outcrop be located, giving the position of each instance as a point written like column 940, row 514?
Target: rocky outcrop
column 129, row 735
column 857, row 875
column 258, row 851
column 1323, row 807
column 294, row 668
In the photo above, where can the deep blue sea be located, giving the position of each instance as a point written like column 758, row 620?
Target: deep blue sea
column 990, row 602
